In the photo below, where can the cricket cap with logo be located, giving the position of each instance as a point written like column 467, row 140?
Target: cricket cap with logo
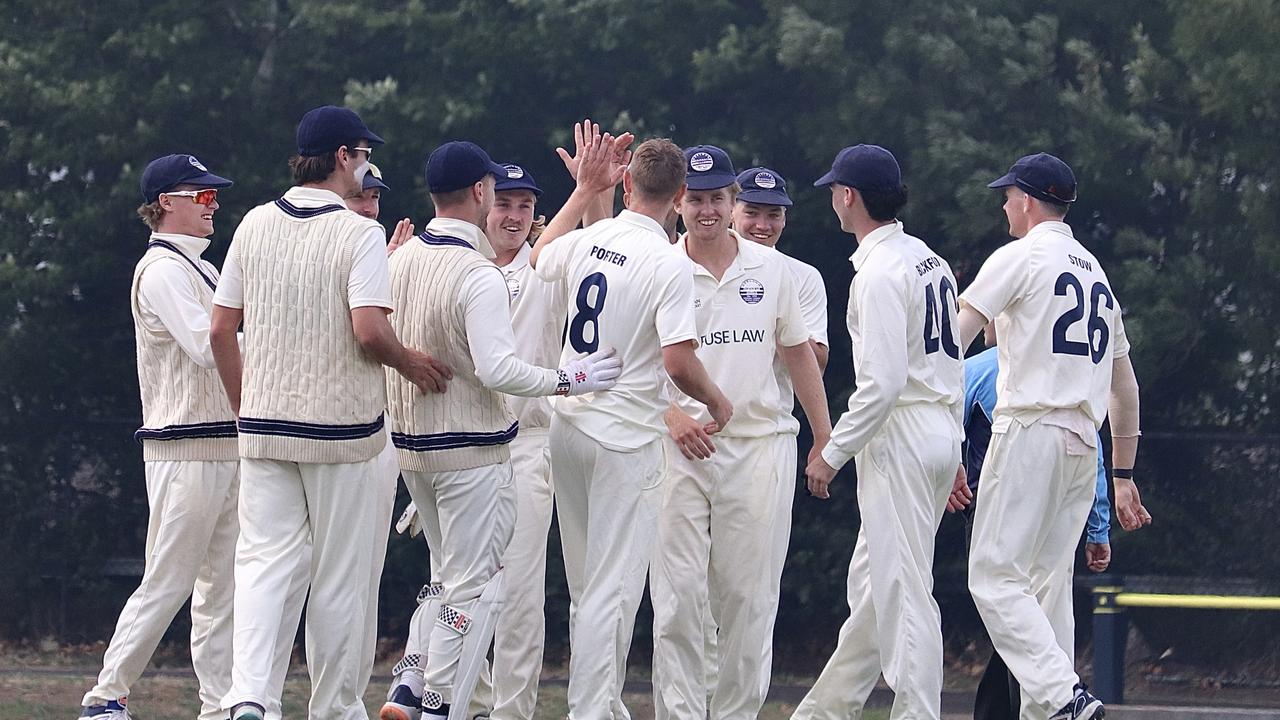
column 864, row 167
column 457, row 164
column 517, row 178
column 327, row 128
column 707, row 167
column 373, row 180
column 164, row 174
column 763, row 186
column 1042, row 176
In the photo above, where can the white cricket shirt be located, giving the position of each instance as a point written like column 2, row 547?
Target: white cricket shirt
column 743, row 318
column 902, row 320
column 629, row 288
column 813, row 306
column 537, row 319
column 1059, row 326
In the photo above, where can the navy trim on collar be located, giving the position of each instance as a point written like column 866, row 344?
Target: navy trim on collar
column 453, row 440
column 304, row 213
column 310, row 431
column 213, row 285
column 222, row 429
column 432, row 239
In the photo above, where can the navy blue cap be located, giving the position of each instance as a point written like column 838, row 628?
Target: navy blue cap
column 165, row 173
column 373, row 179
column 455, row 165
column 707, row 167
column 517, row 178
column 864, row 167
column 1042, row 176
column 763, row 186
column 328, row 128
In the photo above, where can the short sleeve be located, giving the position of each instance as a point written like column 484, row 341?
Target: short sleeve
column 1000, row 282
column 674, row 285
column 813, row 302
column 1119, row 339
column 369, row 284
column 791, row 327
column 230, row 292
column 553, row 259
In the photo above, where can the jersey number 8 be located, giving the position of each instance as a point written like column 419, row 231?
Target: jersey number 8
column 589, row 308
column 1098, row 329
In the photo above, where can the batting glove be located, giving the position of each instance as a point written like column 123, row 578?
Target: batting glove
column 589, row 373
column 409, row 521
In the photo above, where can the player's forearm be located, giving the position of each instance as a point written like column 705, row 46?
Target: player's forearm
column 565, row 221
column 969, row 322
column 1124, row 414
column 689, row 375
column 821, row 353
column 809, row 389
column 225, row 348
column 601, row 208
column 377, row 338
column 513, row 376
column 869, row 407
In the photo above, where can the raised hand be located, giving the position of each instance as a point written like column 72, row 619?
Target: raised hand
column 403, row 231
column 582, row 133
column 597, row 170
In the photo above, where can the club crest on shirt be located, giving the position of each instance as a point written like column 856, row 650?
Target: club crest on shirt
column 751, row 291
column 196, row 163
column 701, row 161
column 513, row 287
column 697, row 303
column 514, row 171
column 766, row 181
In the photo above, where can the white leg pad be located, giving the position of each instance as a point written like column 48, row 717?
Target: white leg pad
column 477, row 631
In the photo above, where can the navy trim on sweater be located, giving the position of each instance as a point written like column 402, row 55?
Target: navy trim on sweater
column 303, row 213
column 310, row 431
column 431, row 239
column 213, row 285
column 217, row 429
column 454, row 440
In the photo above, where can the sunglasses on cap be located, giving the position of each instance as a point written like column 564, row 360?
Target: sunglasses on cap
column 204, row 197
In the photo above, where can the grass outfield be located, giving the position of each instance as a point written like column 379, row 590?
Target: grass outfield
column 44, row 695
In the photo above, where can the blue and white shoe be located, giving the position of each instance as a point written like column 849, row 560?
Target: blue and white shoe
column 248, row 711
column 111, row 710
column 1082, row 707
column 404, row 701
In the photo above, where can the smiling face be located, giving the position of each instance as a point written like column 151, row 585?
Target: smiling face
column 366, row 203
column 761, row 223
column 706, row 213
column 510, row 219
column 184, row 216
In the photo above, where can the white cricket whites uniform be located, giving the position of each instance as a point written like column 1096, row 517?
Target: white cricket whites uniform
column 1060, row 329
column 188, row 437
column 903, row 431
column 718, row 514
column 317, row 466
column 630, row 289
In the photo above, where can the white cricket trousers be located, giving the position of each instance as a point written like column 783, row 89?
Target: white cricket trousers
column 521, row 634
column 190, row 552
column 469, row 516
column 607, row 503
column 1037, row 487
column 343, row 512
column 904, row 476
column 716, row 531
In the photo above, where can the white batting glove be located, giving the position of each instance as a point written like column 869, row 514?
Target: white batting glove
column 409, row 521
column 589, row 373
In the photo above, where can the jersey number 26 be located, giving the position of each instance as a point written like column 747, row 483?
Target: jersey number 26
column 1097, row 329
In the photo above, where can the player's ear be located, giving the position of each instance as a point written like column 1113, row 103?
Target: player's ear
column 680, row 196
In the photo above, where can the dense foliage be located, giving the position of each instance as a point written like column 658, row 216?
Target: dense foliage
column 1163, row 107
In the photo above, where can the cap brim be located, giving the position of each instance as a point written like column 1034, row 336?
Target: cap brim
column 373, row 138
column 371, row 182
column 765, row 197
column 208, row 180
column 1002, row 182
column 508, row 185
column 710, row 182
column 497, row 170
column 825, row 180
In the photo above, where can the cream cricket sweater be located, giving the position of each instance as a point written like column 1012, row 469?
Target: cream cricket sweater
column 185, row 413
column 468, row 425
column 310, row 393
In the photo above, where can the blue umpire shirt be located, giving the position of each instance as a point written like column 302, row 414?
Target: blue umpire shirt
column 979, row 404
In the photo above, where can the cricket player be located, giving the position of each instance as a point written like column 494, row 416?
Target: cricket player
column 453, row 448
column 1063, row 355
column 627, row 288
column 760, row 214
column 903, row 431
column 719, row 511
column 998, row 696
column 188, row 438
column 308, row 278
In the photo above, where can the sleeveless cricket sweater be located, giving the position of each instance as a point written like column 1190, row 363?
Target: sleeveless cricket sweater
column 468, row 425
column 185, row 412
column 310, row 393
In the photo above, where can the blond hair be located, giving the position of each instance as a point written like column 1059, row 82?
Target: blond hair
column 151, row 214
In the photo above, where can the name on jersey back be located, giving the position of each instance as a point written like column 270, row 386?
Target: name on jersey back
column 608, row 256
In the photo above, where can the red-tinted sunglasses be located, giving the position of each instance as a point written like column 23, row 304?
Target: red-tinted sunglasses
column 204, row 197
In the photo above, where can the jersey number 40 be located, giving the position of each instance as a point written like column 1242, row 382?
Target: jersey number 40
column 1099, row 334
column 590, row 305
column 939, row 309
